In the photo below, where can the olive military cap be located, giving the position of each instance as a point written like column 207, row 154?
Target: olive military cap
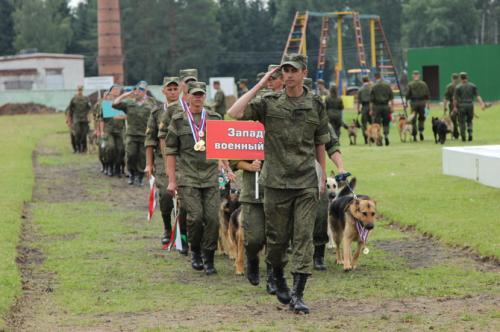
column 197, row 87
column 416, row 72
column 188, row 74
column 297, row 61
column 277, row 73
column 308, row 82
column 454, row 76
column 463, row 75
column 169, row 80
column 260, row 75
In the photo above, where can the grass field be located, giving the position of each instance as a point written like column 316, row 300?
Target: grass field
column 102, row 268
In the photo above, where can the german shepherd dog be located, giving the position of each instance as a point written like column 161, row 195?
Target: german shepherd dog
column 228, row 214
column 348, row 216
column 92, row 141
column 352, row 130
column 332, row 189
column 405, row 127
column 374, row 134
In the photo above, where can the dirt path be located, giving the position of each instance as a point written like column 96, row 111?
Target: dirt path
column 36, row 310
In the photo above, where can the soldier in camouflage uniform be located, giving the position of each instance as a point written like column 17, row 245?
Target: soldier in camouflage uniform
column 275, row 82
column 198, row 182
column 322, row 91
column 364, row 105
column 219, row 100
column 186, row 76
column 78, row 119
column 448, row 103
column 138, row 106
column 154, row 156
column 418, row 95
column 110, row 133
column 334, row 109
column 381, row 99
column 296, row 133
column 463, row 104
column 71, row 131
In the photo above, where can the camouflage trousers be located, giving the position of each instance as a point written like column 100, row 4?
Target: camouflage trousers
column 335, row 118
column 381, row 115
column 112, row 149
column 254, row 226
column 202, row 207
column 366, row 119
column 165, row 199
column 81, row 130
column 418, row 107
column 465, row 118
column 454, row 120
column 320, row 235
column 136, row 154
column 290, row 215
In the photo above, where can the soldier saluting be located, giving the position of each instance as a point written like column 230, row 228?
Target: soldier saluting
column 296, row 132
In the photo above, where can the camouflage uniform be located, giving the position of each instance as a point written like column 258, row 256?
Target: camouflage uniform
column 448, row 95
column 220, row 103
column 78, row 112
column 418, row 95
column 197, row 182
column 364, row 100
column 137, row 121
column 294, row 126
column 380, row 96
column 464, row 96
column 334, row 109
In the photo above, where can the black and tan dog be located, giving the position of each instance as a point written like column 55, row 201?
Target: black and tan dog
column 229, row 215
column 350, row 219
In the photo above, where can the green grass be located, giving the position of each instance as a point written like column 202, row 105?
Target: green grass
column 408, row 182
column 18, row 138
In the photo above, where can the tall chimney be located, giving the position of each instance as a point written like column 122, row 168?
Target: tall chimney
column 110, row 59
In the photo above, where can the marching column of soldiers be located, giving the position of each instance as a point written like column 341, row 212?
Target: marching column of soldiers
column 168, row 140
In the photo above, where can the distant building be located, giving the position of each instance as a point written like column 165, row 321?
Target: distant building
column 436, row 64
column 41, row 71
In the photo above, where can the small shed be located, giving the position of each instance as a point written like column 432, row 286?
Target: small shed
column 436, row 65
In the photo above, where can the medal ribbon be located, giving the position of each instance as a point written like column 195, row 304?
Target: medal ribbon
column 195, row 129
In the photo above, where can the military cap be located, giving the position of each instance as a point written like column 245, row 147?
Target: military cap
column 454, row 76
column 79, row 87
column 196, row 86
column 297, row 61
column 188, row 74
column 308, row 82
column 260, row 75
column 216, row 82
column 322, row 81
column 243, row 80
column 142, row 85
column 463, row 75
column 170, row 80
column 416, row 72
column 277, row 73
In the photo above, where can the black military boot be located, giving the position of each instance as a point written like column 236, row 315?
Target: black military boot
column 271, row 285
column 421, row 136
column 366, row 139
column 386, row 140
column 166, row 236
column 282, row 290
column 470, row 138
column 196, row 261
column 110, row 170
column 208, row 263
column 118, row 172
column 131, row 178
column 253, row 270
column 139, row 180
column 319, row 258
column 297, row 303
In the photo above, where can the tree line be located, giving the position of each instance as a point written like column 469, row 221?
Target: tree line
column 233, row 37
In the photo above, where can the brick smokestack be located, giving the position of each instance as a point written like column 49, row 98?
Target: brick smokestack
column 110, row 59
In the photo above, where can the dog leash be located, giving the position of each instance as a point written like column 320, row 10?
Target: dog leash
column 343, row 178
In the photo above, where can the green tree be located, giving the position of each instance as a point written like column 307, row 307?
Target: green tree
column 439, row 22
column 84, row 41
column 42, row 25
column 6, row 27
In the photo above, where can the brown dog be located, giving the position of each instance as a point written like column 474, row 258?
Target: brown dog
column 352, row 130
column 351, row 218
column 405, row 127
column 235, row 240
column 374, row 134
column 230, row 202
column 91, row 141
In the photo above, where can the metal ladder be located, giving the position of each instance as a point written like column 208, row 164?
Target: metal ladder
column 385, row 63
column 359, row 40
column 323, row 44
column 296, row 42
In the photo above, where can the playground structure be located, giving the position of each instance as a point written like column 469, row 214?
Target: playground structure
column 348, row 82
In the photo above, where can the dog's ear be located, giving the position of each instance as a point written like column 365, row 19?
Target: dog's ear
column 332, row 173
column 352, row 184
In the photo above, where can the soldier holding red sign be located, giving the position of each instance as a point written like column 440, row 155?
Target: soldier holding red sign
column 296, row 132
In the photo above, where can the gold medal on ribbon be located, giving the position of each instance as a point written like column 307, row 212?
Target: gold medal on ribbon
column 197, row 146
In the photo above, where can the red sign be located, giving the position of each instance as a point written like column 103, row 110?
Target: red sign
column 235, row 140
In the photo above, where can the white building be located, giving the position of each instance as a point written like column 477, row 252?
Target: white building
column 41, row 71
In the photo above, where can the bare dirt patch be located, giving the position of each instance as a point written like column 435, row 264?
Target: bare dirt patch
column 25, row 108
